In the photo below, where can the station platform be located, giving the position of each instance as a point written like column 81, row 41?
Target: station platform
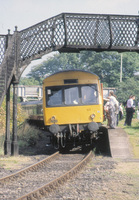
column 119, row 143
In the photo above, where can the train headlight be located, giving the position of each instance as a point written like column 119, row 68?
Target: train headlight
column 53, row 119
column 92, row 116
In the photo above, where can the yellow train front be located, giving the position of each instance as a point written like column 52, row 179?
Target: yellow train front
column 72, row 107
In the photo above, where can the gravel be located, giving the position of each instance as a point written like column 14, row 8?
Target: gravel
column 100, row 181
column 104, row 178
column 37, row 178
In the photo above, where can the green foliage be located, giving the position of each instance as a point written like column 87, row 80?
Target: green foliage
column 28, row 135
column 2, row 138
column 105, row 64
column 132, row 131
column 59, row 62
column 20, row 117
column 127, row 88
column 2, row 116
column 28, row 81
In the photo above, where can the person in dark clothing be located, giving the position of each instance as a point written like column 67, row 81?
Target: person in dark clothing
column 130, row 110
column 125, row 105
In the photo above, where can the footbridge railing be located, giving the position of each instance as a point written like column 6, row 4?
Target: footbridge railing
column 75, row 32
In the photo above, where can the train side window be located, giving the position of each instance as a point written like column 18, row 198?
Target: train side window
column 71, row 96
column 54, row 97
column 89, row 94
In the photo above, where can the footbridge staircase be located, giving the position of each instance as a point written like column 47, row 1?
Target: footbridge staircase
column 66, row 32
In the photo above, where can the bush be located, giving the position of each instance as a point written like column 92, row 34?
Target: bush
column 126, row 89
column 21, row 116
column 28, row 135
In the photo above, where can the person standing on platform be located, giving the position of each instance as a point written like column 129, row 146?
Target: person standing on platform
column 126, row 110
column 120, row 111
column 113, row 107
column 106, row 108
column 130, row 110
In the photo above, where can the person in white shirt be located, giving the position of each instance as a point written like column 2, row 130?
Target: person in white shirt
column 106, row 108
column 130, row 110
column 113, row 109
column 120, row 111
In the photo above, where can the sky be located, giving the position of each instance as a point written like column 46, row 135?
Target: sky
column 25, row 13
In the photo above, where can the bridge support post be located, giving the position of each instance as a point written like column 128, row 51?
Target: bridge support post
column 15, row 148
column 7, row 143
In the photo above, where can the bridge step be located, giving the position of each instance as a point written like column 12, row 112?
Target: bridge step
column 119, row 143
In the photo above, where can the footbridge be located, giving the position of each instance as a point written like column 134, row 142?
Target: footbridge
column 66, row 32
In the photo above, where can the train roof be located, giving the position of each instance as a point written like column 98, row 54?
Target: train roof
column 72, row 70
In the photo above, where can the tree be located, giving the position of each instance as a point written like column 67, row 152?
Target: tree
column 28, row 81
column 59, row 62
column 127, row 88
column 105, row 64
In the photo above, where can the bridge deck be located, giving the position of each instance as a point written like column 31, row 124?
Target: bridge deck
column 119, row 143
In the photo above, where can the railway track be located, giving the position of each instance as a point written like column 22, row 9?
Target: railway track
column 43, row 177
column 23, row 172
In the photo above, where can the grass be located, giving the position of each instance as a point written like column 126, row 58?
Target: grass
column 133, row 133
column 16, row 162
column 129, row 168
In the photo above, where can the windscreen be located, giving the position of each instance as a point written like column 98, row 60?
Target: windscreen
column 71, row 95
column 89, row 94
column 54, row 97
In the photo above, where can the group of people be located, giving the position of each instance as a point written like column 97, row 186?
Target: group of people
column 114, row 110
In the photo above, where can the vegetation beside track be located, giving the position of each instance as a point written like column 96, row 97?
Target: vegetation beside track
column 28, row 135
column 20, row 120
column 133, row 132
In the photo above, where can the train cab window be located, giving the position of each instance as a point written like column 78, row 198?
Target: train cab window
column 54, row 97
column 71, row 96
column 89, row 94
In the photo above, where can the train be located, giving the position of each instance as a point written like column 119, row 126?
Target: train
column 72, row 108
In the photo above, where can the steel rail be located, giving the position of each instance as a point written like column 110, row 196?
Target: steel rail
column 33, row 167
column 52, row 185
